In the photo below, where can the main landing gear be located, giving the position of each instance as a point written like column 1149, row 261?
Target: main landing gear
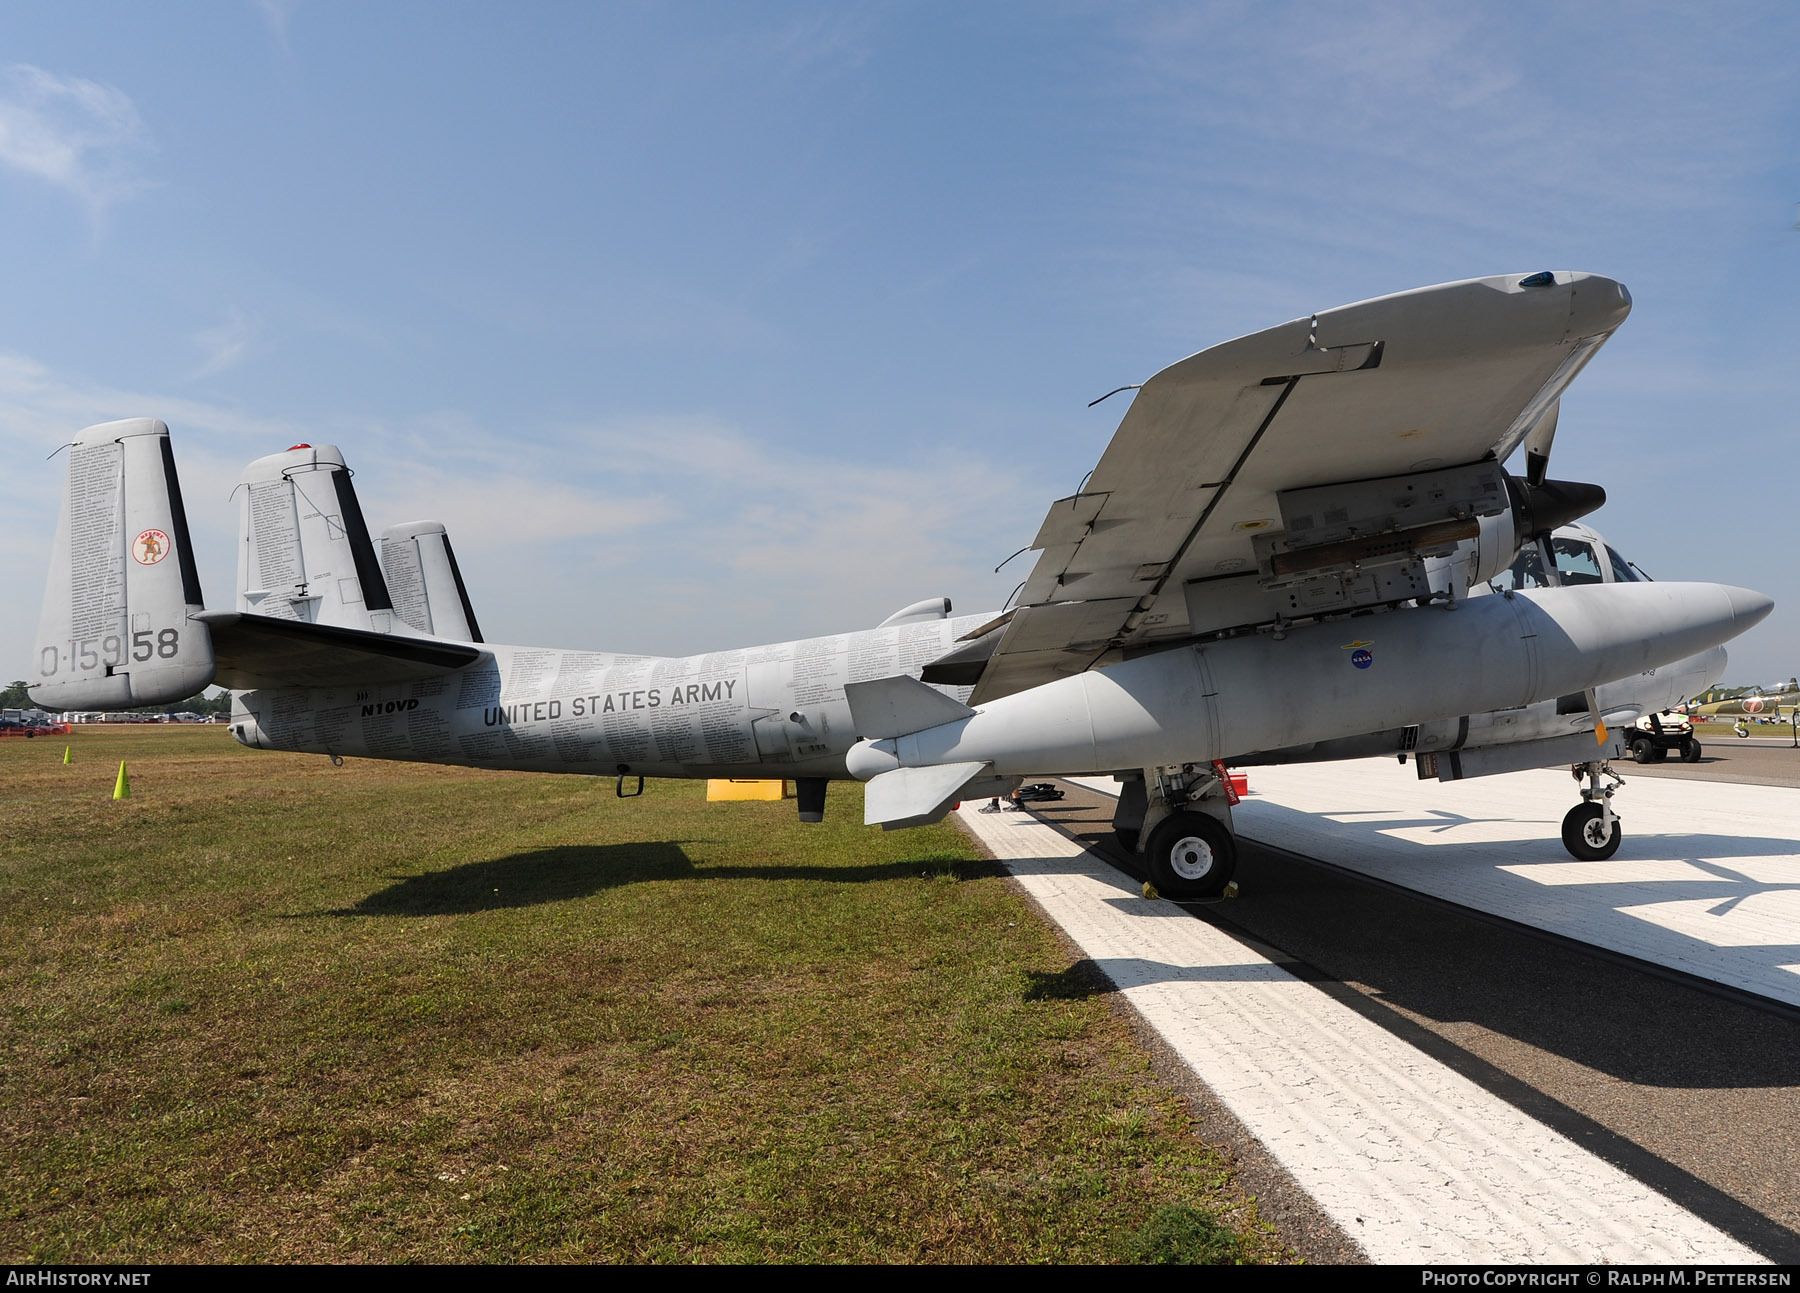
column 1591, row 831
column 1178, row 820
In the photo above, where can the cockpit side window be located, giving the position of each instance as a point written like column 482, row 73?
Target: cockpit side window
column 1526, row 571
column 1576, row 562
column 1622, row 571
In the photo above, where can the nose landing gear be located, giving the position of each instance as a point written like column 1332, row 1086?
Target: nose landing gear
column 1591, row 831
column 1178, row 820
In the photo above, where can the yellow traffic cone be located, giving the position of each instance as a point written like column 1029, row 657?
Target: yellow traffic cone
column 67, row 757
column 123, row 789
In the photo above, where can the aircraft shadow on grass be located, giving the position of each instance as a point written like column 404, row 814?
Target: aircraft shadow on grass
column 570, row 872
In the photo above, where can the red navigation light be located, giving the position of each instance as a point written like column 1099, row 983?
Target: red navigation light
column 293, row 447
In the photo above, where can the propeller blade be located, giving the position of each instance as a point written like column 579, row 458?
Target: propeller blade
column 1537, row 444
column 1593, row 704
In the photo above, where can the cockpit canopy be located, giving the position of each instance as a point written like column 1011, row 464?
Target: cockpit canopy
column 1581, row 556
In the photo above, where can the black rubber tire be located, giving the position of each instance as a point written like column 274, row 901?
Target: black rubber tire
column 1659, row 754
column 1127, row 840
column 1690, row 751
column 1578, row 828
column 1190, row 855
column 1641, row 750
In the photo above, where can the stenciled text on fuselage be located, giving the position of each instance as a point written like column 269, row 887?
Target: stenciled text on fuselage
column 540, row 711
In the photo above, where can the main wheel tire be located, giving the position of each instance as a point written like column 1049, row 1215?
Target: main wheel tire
column 1191, row 855
column 1690, row 751
column 1585, row 836
column 1641, row 750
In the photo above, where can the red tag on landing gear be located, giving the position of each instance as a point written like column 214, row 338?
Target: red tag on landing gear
column 1231, row 796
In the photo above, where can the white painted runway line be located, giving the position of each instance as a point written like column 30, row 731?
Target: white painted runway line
column 1707, row 880
column 1413, row 1160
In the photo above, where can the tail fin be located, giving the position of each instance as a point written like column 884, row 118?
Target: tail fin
column 117, row 627
column 425, row 583
column 304, row 551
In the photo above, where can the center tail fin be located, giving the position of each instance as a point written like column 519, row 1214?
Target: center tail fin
column 118, row 627
column 304, row 551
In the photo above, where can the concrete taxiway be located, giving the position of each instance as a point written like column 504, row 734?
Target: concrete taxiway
column 1449, row 1083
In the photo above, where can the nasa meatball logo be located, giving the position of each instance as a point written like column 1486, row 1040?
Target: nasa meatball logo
column 151, row 547
column 1361, row 658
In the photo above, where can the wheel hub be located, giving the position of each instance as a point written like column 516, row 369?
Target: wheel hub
column 1191, row 858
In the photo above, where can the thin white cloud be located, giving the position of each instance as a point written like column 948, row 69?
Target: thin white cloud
column 79, row 135
column 276, row 13
column 839, row 38
column 509, row 511
column 223, row 346
column 1349, row 146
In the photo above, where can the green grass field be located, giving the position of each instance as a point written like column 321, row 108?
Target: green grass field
column 272, row 1010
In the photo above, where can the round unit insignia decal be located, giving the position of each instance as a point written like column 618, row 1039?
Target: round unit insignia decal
column 151, row 547
column 1361, row 658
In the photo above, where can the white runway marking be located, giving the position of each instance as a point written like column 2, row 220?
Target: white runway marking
column 1413, row 1160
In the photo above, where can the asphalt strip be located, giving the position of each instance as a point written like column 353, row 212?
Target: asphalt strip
column 1706, row 883
column 1414, row 1161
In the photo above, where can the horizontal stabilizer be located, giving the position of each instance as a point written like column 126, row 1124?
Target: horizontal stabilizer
column 916, row 796
column 1486, row 760
column 899, row 706
column 254, row 651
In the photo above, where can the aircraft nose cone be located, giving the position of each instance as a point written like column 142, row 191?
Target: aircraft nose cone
column 1748, row 608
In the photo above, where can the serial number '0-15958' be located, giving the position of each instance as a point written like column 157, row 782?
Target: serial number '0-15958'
column 88, row 654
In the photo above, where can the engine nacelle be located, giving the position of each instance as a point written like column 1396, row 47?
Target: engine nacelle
column 1534, row 510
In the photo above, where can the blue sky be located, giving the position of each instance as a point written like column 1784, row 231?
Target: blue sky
column 707, row 324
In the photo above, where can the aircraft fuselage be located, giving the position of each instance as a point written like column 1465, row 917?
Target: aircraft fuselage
column 767, row 711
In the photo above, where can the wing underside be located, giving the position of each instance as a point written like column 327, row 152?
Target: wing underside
column 1215, row 450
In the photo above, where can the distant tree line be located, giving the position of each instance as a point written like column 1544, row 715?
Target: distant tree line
column 16, row 697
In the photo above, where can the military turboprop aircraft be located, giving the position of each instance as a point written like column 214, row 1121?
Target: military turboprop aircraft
column 1762, row 700
column 1277, row 548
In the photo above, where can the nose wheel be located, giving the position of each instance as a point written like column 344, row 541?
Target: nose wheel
column 1591, row 831
column 1190, row 855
